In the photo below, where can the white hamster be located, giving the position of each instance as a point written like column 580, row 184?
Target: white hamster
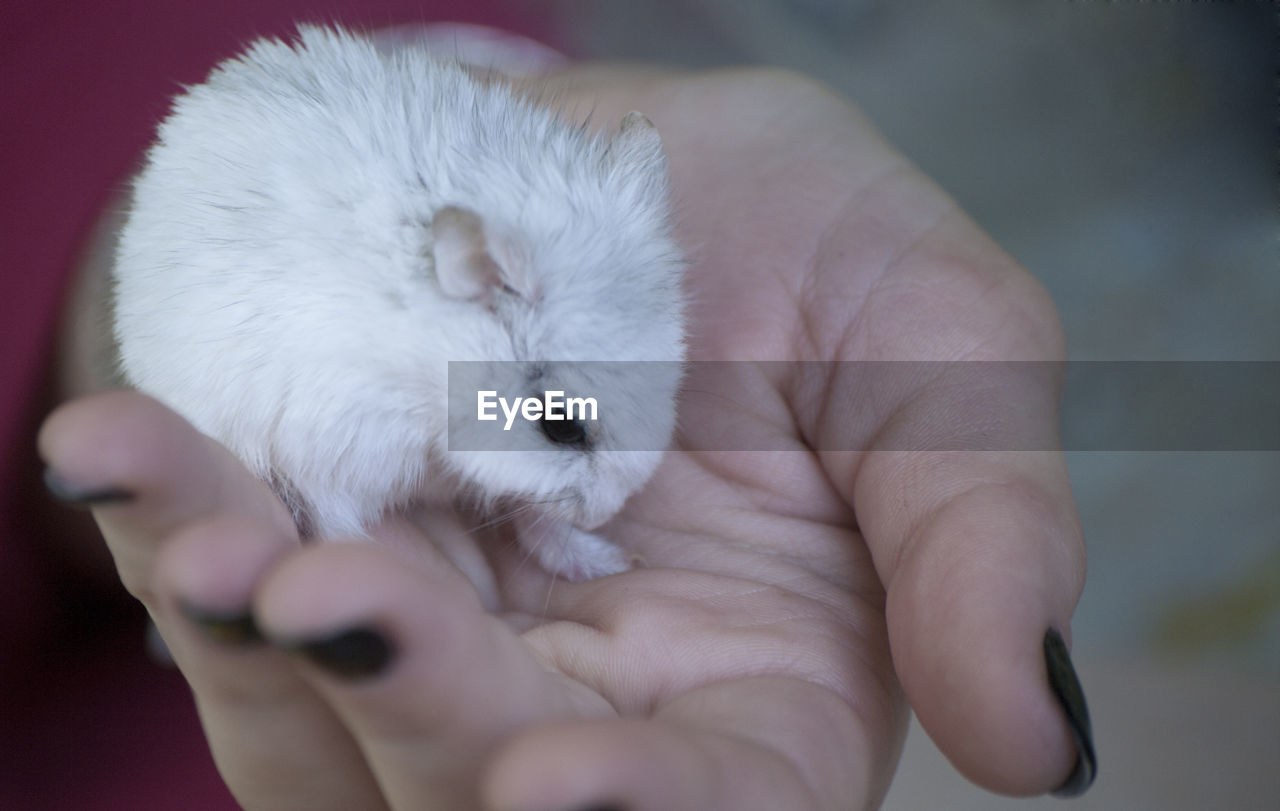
column 321, row 227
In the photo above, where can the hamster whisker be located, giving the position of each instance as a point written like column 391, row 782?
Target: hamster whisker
column 495, row 519
column 546, row 602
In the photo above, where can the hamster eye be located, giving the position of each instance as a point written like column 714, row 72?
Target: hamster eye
column 564, row 432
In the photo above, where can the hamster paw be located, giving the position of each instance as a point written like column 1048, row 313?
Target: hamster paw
column 576, row 555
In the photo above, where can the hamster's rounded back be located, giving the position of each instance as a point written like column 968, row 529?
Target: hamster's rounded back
column 321, row 227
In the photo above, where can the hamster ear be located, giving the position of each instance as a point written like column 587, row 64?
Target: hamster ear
column 464, row 267
column 638, row 143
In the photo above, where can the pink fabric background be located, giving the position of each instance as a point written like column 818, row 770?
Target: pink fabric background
column 87, row 721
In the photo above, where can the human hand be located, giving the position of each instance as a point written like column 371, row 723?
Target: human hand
column 755, row 661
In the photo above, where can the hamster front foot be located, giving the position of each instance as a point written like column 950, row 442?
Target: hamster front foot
column 564, row 550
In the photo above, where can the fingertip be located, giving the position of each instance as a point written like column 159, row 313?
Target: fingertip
column 60, row 429
column 998, row 722
column 214, row 566
column 324, row 587
column 968, row 614
column 331, row 586
column 127, row 442
column 111, row 436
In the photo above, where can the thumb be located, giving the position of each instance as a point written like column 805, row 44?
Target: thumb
column 980, row 590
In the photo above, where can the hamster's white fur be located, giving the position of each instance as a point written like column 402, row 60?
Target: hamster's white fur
column 321, row 227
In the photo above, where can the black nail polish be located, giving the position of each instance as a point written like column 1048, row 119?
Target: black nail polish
column 227, row 627
column 1066, row 689
column 353, row 654
column 77, row 497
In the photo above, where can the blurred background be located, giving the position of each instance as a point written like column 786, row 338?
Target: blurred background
column 1126, row 153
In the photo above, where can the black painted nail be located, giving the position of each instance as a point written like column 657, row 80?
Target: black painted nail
column 1066, row 689
column 78, row 497
column 353, row 654
column 227, row 627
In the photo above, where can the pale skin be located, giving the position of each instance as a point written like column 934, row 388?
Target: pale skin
column 790, row 602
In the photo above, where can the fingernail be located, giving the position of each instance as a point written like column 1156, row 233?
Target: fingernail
column 227, row 627
column 1066, row 689
column 80, row 497
column 354, row 654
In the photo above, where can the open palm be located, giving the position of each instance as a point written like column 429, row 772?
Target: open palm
column 792, row 587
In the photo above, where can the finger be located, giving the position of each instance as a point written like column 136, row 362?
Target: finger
column 156, row 471
column 191, row 531
column 758, row 743
column 275, row 740
column 979, row 548
column 980, row 551
column 984, row 562
column 426, row 681
column 981, row 554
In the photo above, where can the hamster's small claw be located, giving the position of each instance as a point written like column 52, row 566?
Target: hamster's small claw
column 584, row 556
column 571, row 553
